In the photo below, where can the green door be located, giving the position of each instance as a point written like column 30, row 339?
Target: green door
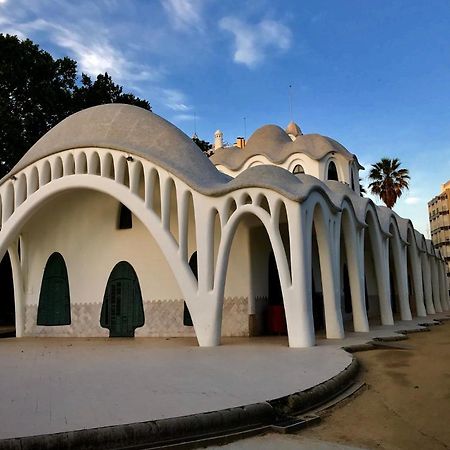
column 122, row 309
column 54, row 298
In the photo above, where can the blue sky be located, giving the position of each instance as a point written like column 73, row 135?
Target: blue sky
column 372, row 74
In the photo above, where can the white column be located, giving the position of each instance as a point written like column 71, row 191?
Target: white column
column 416, row 268
column 381, row 256
column 330, row 270
column 428, row 287
column 402, row 280
column 442, row 285
column 18, row 289
column 298, row 298
column 354, row 244
column 435, row 284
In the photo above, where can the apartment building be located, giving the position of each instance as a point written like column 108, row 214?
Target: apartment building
column 438, row 212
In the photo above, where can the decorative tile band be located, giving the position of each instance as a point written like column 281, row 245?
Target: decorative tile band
column 163, row 318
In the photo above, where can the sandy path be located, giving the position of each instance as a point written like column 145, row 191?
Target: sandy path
column 407, row 403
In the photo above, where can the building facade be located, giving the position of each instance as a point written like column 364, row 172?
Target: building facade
column 115, row 224
column 438, row 212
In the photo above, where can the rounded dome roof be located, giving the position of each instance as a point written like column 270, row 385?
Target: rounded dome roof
column 131, row 129
column 275, row 144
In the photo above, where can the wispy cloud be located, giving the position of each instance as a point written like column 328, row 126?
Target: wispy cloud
column 253, row 42
column 175, row 100
column 185, row 117
column 411, row 200
column 184, row 14
column 93, row 51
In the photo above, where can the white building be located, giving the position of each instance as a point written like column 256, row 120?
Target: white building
column 114, row 223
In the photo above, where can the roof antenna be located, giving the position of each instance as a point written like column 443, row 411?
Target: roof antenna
column 245, row 127
column 195, row 123
column 290, row 102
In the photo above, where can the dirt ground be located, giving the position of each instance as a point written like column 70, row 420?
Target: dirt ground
column 407, row 401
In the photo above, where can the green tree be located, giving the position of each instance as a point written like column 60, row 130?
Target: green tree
column 388, row 180
column 205, row 146
column 37, row 92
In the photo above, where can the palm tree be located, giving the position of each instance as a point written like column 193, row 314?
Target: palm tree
column 388, row 180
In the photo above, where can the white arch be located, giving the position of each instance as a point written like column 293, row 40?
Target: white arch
column 322, row 219
column 199, row 305
column 380, row 254
column 401, row 270
column 351, row 233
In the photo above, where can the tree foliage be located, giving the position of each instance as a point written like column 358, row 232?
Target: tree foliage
column 205, row 146
column 388, row 180
column 37, row 92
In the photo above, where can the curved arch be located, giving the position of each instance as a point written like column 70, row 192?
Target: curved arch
column 94, row 163
column 20, row 190
column 122, row 309
column 398, row 272
column 379, row 253
column 416, row 272
column 350, row 235
column 8, row 201
column 186, row 281
column 80, row 163
column 57, row 168
column 45, row 173
column 32, row 181
column 320, row 223
column 228, row 234
column 107, row 166
column 54, row 297
column 68, row 164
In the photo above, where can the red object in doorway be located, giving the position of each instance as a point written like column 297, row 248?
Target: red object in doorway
column 276, row 319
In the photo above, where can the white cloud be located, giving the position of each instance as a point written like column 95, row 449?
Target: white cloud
column 175, row 100
column 412, row 200
column 184, row 14
column 91, row 48
column 254, row 41
column 185, row 117
column 2, row 2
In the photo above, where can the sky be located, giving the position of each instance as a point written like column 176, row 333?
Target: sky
column 373, row 75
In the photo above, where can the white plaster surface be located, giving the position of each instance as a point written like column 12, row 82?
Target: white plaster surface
column 50, row 385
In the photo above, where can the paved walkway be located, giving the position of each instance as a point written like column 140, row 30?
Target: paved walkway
column 50, row 385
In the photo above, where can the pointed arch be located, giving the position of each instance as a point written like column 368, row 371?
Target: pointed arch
column 332, row 173
column 122, row 309
column 54, row 297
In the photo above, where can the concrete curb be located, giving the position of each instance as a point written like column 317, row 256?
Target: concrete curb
column 150, row 434
column 303, row 401
column 184, row 432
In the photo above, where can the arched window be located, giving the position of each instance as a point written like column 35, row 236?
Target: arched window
column 187, row 319
column 332, row 172
column 125, row 218
column 298, row 169
column 122, row 309
column 54, row 298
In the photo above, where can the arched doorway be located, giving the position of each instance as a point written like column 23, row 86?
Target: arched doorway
column 7, row 309
column 122, row 309
column 54, row 298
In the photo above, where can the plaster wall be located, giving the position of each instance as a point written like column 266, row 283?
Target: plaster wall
column 82, row 226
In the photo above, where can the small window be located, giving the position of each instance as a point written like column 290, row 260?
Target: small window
column 298, row 169
column 332, row 172
column 125, row 218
